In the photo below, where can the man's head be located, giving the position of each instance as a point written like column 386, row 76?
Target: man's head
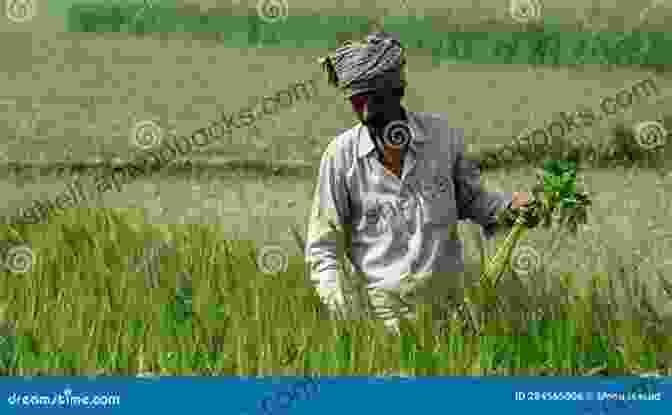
column 371, row 74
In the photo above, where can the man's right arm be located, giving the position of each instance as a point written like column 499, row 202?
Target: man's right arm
column 327, row 230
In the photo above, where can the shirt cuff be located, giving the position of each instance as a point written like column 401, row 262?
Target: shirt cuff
column 490, row 230
column 508, row 199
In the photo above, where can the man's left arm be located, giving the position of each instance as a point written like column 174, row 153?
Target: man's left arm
column 472, row 200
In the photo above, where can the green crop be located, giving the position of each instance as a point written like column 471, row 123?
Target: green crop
column 555, row 198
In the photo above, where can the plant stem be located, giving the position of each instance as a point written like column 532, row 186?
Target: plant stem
column 498, row 263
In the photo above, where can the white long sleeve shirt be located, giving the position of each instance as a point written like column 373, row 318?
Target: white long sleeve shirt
column 394, row 227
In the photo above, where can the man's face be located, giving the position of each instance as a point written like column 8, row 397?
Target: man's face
column 373, row 106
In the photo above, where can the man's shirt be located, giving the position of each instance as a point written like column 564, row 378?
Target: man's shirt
column 395, row 226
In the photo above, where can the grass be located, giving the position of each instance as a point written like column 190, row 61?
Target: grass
column 82, row 309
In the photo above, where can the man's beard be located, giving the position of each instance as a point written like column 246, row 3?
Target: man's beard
column 377, row 121
column 376, row 125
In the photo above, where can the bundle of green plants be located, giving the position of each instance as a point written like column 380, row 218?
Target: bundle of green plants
column 555, row 198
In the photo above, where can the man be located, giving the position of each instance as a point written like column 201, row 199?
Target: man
column 391, row 191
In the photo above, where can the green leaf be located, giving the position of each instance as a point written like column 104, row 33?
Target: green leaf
column 559, row 167
column 568, row 203
column 550, row 166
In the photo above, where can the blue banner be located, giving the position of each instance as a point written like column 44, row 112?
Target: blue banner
column 337, row 396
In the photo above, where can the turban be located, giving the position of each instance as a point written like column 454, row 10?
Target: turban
column 358, row 67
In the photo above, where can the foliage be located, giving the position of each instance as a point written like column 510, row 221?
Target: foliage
column 556, row 190
column 235, row 320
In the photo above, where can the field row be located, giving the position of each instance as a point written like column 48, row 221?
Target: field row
column 550, row 46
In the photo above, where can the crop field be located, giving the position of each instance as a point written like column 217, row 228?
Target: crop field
column 88, row 291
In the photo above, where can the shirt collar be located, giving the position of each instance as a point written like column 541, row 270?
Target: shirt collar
column 365, row 143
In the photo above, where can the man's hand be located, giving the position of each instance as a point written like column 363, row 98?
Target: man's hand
column 520, row 199
column 509, row 216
